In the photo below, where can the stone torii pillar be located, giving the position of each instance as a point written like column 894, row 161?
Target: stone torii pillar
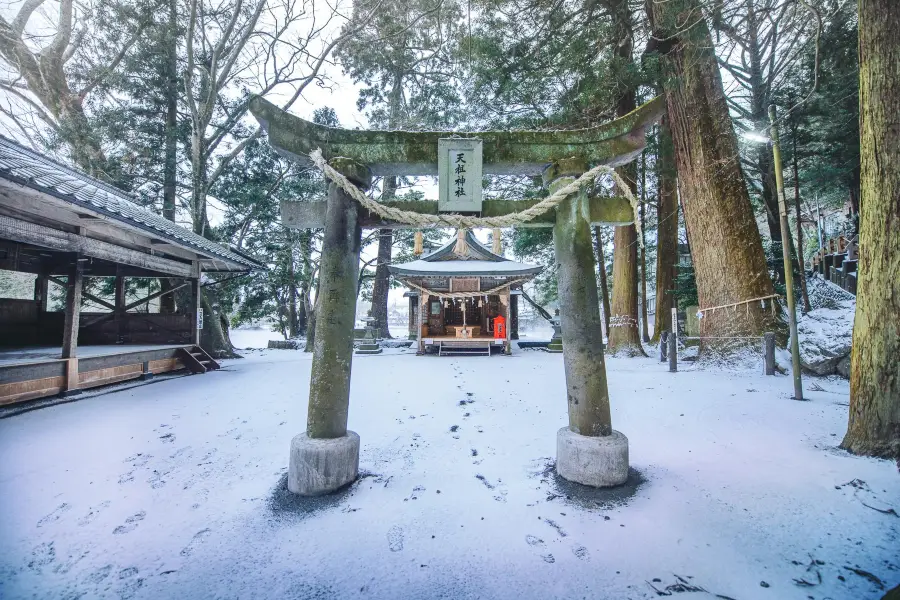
column 589, row 451
column 326, row 456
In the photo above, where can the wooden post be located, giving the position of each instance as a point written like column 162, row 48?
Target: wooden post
column 196, row 307
column 673, row 343
column 329, row 389
column 120, row 306
column 507, row 346
column 663, row 346
column 514, row 316
column 423, row 307
column 582, row 329
column 41, row 292
column 413, row 316
column 146, row 373
column 769, row 351
column 73, row 308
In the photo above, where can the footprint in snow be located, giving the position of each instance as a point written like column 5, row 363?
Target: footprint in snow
column 533, row 540
column 581, row 552
column 131, row 523
column 395, row 539
column 93, row 513
column 99, row 575
column 198, row 537
column 42, row 555
column 55, row 515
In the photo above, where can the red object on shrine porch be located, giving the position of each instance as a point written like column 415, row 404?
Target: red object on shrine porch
column 500, row 328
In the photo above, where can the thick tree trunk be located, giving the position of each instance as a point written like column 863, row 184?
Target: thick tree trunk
column 645, row 334
column 170, row 159
column 214, row 335
column 604, row 284
column 666, row 233
column 729, row 263
column 624, row 333
column 381, row 285
column 293, row 330
column 760, row 98
column 801, row 267
column 874, row 425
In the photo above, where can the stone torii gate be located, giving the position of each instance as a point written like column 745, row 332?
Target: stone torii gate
column 589, row 451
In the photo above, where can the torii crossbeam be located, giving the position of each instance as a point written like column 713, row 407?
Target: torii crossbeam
column 589, row 451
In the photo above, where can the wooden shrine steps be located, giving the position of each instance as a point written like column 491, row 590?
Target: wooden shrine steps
column 197, row 360
column 467, row 347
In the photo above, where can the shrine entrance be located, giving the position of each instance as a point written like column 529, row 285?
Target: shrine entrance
column 326, row 456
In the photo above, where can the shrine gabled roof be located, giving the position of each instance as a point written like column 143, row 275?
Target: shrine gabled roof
column 478, row 262
column 65, row 184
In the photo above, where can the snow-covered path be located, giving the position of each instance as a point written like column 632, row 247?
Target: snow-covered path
column 176, row 489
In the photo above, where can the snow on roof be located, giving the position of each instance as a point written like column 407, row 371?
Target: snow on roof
column 465, row 267
column 479, row 262
column 25, row 167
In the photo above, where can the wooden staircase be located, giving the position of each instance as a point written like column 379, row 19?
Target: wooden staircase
column 197, row 360
column 467, row 347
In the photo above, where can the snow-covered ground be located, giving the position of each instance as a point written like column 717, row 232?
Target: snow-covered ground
column 176, row 489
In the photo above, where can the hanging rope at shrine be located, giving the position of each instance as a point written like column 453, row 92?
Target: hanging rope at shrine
column 489, row 292
column 453, row 220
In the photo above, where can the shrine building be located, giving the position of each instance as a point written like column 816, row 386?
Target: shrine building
column 463, row 297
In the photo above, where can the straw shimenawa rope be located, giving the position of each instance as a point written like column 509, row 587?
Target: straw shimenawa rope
column 489, row 292
column 461, row 221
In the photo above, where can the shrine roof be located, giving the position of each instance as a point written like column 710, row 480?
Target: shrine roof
column 415, row 153
column 478, row 262
column 26, row 170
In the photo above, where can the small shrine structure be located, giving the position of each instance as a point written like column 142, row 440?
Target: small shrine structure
column 461, row 297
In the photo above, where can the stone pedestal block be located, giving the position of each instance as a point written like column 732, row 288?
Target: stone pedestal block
column 595, row 461
column 320, row 466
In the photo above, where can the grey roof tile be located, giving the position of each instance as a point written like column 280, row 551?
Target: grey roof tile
column 28, row 168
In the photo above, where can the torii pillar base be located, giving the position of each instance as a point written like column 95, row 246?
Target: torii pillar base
column 322, row 466
column 597, row 461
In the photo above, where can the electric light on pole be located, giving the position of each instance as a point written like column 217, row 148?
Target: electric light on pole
column 785, row 247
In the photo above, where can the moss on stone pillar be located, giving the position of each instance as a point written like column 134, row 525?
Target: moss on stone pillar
column 329, row 386
column 582, row 332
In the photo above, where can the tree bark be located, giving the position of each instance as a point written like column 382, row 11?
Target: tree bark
column 381, row 285
column 623, row 333
column 760, row 96
column 666, row 233
column 604, row 284
column 800, row 261
column 874, row 424
column 170, row 164
column 645, row 335
column 729, row 263
column 293, row 331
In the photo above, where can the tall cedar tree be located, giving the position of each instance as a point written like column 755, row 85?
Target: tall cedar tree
column 666, row 232
column 874, row 426
column 729, row 262
column 624, row 332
